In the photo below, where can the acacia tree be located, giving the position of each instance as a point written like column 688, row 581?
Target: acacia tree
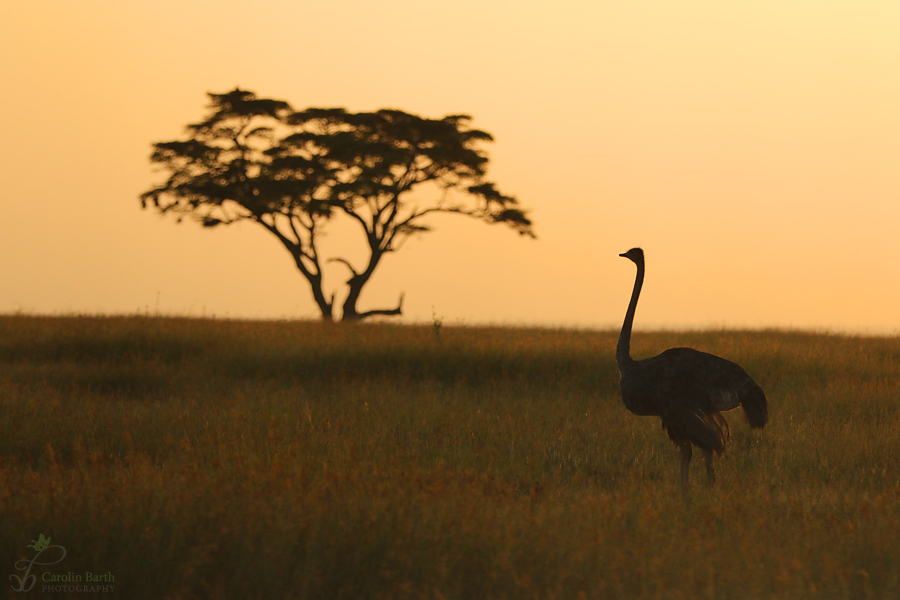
column 291, row 172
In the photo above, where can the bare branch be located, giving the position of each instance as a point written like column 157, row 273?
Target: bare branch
column 295, row 248
column 385, row 312
column 345, row 262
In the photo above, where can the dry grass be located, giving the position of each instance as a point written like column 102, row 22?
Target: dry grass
column 210, row 459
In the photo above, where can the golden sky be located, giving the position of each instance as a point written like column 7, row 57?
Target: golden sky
column 752, row 148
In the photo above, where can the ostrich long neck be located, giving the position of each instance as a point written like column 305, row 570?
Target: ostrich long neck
column 623, row 348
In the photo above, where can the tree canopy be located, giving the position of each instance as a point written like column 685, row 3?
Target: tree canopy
column 292, row 172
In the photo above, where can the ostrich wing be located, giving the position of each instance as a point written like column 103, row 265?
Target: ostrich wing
column 696, row 380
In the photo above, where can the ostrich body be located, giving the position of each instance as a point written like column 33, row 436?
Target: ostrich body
column 688, row 389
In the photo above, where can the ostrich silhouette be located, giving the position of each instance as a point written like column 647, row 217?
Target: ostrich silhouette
column 688, row 389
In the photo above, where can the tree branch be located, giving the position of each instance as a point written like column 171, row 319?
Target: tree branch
column 344, row 261
column 398, row 229
column 357, row 217
column 295, row 248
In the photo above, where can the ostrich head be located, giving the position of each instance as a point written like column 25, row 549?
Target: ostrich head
column 635, row 255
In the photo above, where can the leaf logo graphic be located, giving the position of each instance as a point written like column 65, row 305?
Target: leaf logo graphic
column 40, row 544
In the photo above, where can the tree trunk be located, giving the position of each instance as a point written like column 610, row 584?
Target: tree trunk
column 355, row 284
column 315, row 283
column 325, row 306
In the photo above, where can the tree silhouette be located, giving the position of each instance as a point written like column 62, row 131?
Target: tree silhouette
column 256, row 159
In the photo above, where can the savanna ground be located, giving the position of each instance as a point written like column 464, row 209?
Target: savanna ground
column 226, row 459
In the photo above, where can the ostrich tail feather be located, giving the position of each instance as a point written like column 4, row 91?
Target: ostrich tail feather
column 706, row 431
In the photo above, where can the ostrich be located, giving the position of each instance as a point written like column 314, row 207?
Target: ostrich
column 687, row 389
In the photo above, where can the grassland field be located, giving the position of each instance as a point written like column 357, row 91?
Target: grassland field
column 191, row 458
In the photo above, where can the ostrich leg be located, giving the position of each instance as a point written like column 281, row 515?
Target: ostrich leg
column 710, row 468
column 685, row 465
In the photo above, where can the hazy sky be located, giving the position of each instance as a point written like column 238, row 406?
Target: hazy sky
column 752, row 148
